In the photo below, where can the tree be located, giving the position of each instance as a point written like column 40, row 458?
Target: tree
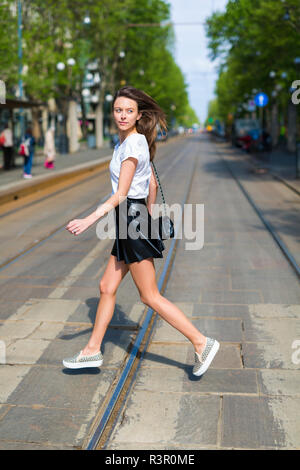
column 252, row 39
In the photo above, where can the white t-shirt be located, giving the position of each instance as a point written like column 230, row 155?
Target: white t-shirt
column 136, row 146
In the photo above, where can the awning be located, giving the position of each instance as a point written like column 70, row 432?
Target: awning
column 12, row 104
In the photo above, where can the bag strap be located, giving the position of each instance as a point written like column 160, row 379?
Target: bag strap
column 162, row 194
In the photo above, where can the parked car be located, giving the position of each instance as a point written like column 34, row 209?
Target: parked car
column 241, row 128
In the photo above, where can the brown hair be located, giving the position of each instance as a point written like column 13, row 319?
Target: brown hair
column 152, row 115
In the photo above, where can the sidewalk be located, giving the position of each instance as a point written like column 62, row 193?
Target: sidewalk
column 70, row 160
column 14, row 187
column 279, row 163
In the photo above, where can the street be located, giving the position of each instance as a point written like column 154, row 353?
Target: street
column 239, row 288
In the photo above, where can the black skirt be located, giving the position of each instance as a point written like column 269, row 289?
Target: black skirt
column 137, row 235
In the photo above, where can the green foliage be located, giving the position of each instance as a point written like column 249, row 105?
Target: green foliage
column 54, row 31
column 252, row 38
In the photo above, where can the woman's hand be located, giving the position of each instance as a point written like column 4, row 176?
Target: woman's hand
column 77, row 226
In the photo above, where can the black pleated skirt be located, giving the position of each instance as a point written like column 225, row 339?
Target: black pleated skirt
column 137, row 236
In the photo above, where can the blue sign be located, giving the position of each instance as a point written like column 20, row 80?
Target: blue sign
column 261, row 99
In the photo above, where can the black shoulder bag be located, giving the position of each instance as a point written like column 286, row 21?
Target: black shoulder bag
column 166, row 225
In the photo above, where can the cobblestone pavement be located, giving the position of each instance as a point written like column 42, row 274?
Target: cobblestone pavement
column 238, row 288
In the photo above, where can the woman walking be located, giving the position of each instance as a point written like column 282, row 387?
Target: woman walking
column 49, row 149
column 136, row 116
column 28, row 159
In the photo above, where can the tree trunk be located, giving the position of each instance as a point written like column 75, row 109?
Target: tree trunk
column 83, row 116
column 274, row 124
column 36, row 130
column 99, row 124
column 72, row 127
column 45, row 114
column 292, row 127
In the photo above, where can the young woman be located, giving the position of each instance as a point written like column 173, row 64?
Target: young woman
column 134, row 187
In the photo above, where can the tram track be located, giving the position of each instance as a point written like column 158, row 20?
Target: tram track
column 269, row 226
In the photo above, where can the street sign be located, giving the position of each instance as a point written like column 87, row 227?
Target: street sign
column 251, row 105
column 261, row 99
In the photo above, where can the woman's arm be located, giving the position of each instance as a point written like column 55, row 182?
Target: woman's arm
column 127, row 172
column 153, row 185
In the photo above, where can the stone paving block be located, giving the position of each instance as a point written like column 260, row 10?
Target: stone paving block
column 266, row 355
column 24, row 293
column 220, row 310
column 212, row 280
column 47, row 330
column 59, row 264
column 10, row 377
column 31, row 446
column 57, row 387
column 166, row 446
column 282, row 331
column 172, row 418
column 214, row 381
column 27, row 281
column 42, row 426
column 280, row 295
column 37, row 309
column 274, row 310
column 194, row 411
column 223, row 330
column 279, row 382
column 26, row 351
column 248, row 422
column 260, row 422
column 231, row 297
column 11, row 330
column 8, row 308
column 266, row 282
column 79, row 293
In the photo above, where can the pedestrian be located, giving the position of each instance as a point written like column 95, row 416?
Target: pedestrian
column 136, row 116
column 49, row 148
column 6, row 139
column 29, row 141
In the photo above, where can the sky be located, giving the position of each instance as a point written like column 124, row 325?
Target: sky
column 191, row 51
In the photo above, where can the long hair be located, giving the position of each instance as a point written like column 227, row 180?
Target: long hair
column 152, row 115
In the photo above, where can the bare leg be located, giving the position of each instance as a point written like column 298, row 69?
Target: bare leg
column 143, row 274
column 110, row 281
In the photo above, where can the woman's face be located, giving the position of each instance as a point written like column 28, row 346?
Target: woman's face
column 126, row 113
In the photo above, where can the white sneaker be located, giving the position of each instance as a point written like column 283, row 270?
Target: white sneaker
column 203, row 361
column 80, row 361
column 27, row 176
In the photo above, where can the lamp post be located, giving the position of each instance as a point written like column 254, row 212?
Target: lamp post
column 20, row 56
column 63, row 141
